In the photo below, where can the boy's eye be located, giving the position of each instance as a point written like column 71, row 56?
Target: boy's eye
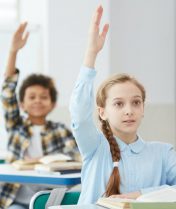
column 44, row 97
column 32, row 97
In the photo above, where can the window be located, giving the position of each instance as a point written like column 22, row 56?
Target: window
column 8, row 11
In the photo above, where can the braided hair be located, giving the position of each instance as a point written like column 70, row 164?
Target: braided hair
column 113, row 185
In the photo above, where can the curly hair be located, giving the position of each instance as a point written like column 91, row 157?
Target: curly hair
column 41, row 80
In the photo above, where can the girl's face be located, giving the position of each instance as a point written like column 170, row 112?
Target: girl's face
column 124, row 110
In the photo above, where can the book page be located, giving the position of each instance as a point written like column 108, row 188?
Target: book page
column 115, row 203
column 28, row 164
column 163, row 195
column 54, row 157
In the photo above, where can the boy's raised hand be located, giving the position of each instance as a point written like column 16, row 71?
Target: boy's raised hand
column 96, row 39
column 19, row 38
column 18, row 41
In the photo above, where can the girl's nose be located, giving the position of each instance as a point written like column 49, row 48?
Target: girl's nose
column 128, row 110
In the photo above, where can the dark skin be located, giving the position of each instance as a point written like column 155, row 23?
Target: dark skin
column 37, row 100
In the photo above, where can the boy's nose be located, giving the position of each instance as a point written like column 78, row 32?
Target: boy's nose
column 37, row 100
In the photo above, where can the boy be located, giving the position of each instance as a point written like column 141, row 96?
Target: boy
column 31, row 137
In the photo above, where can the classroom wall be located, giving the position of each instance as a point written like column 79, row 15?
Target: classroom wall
column 141, row 41
column 143, row 44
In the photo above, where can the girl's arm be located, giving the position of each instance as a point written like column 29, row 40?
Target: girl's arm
column 82, row 100
column 18, row 41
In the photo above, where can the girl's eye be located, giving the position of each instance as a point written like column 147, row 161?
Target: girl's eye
column 119, row 104
column 137, row 102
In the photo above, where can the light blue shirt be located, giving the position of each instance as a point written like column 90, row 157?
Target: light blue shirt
column 144, row 166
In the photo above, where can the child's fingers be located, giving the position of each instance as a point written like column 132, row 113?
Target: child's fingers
column 26, row 36
column 94, row 26
column 119, row 196
column 21, row 28
column 98, row 15
column 105, row 30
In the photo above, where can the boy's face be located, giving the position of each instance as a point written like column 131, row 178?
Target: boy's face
column 124, row 109
column 37, row 101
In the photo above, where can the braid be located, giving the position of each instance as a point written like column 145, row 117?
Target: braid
column 113, row 186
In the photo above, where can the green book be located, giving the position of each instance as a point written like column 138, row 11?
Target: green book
column 153, row 205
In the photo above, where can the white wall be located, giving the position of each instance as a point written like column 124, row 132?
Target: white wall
column 68, row 28
column 141, row 41
column 143, row 44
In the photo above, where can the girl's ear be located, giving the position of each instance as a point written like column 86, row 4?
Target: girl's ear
column 101, row 112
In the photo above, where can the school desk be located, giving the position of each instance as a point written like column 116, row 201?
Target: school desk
column 9, row 174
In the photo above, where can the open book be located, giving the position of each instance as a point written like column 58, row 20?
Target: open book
column 54, row 162
column 165, row 195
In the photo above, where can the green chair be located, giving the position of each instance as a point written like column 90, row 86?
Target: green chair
column 40, row 198
column 2, row 161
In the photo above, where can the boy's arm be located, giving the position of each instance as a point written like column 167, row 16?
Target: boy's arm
column 8, row 96
column 9, row 102
column 19, row 39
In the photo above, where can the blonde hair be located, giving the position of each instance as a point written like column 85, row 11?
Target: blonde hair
column 113, row 185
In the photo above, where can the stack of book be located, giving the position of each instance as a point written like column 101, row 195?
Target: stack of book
column 50, row 163
column 161, row 199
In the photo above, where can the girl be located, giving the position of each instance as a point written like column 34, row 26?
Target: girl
column 116, row 161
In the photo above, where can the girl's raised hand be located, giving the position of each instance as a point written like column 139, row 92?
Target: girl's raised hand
column 95, row 39
column 19, row 38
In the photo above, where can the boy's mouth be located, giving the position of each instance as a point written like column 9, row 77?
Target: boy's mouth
column 37, row 108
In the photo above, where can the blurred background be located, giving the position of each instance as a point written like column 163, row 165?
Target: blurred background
column 141, row 41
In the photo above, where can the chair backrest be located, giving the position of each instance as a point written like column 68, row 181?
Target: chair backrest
column 40, row 198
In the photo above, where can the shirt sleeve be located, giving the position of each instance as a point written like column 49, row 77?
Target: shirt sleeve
column 9, row 101
column 171, row 166
column 81, row 109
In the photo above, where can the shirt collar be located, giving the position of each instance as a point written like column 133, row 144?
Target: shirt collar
column 135, row 147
